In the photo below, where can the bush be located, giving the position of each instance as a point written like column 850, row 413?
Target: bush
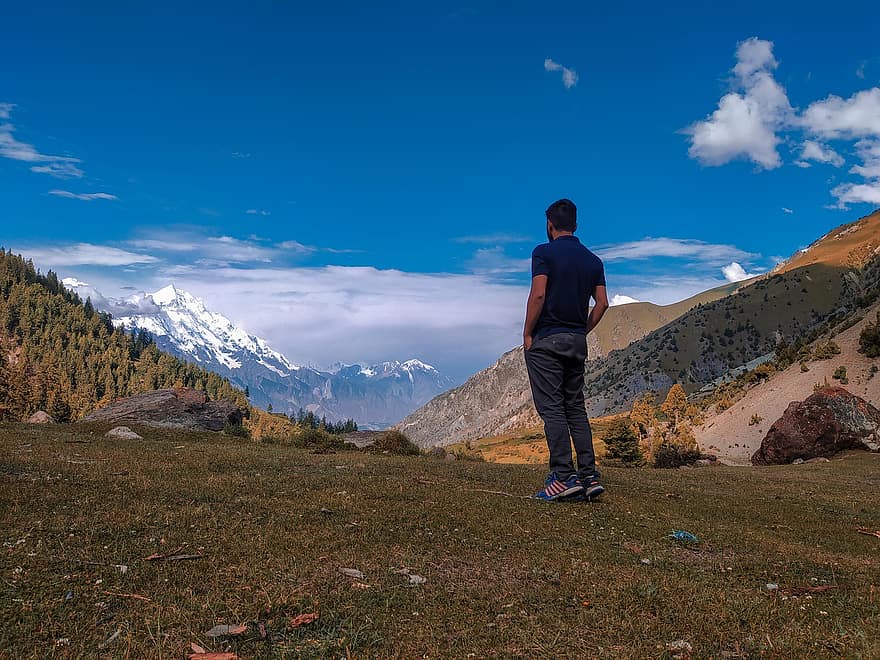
column 755, row 420
column 869, row 339
column 236, row 430
column 622, row 443
column 826, row 351
column 840, row 374
column 395, row 442
column 317, row 439
column 674, row 456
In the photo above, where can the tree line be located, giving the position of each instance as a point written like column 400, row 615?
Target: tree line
column 58, row 354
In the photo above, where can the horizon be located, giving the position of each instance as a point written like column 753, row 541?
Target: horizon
column 271, row 164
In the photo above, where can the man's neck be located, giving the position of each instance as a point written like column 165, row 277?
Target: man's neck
column 560, row 234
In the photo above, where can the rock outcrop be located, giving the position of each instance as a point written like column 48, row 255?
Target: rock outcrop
column 830, row 420
column 41, row 417
column 177, row 408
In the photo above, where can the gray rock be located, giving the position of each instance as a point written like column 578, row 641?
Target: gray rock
column 797, row 461
column 41, row 417
column 451, row 457
column 703, row 462
column 175, row 408
column 437, row 452
column 122, row 433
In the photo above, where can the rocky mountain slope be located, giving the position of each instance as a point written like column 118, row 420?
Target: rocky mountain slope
column 375, row 396
column 736, row 433
column 703, row 344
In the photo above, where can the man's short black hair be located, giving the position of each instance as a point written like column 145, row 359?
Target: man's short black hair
column 563, row 215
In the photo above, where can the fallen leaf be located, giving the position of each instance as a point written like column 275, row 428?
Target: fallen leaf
column 196, row 648
column 352, row 573
column 417, row 579
column 212, row 656
column 226, row 631
column 303, row 619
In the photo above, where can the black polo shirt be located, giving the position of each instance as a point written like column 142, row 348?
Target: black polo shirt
column 573, row 273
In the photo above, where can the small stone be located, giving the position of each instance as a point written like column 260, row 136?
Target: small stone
column 41, row 417
column 771, row 586
column 797, row 461
column 122, row 433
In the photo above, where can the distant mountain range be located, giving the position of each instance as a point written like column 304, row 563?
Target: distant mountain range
column 375, row 396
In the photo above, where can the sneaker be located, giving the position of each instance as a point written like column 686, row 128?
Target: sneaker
column 555, row 488
column 592, row 488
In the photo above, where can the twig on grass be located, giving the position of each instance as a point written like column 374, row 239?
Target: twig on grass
column 868, row 532
column 135, row 596
column 495, row 492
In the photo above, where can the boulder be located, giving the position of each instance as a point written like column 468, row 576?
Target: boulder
column 181, row 408
column 830, row 420
column 122, row 433
column 41, row 417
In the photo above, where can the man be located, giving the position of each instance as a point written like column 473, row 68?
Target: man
column 565, row 275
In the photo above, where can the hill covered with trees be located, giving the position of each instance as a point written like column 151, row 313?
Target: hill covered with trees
column 59, row 355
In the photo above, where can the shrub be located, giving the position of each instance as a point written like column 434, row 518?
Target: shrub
column 236, row 430
column 318, row 439
column 622, row 443
column 674, row 456
column 826, row 351
column 840, row 374
column 869, row 339
column 755, row 420
column 395, row 442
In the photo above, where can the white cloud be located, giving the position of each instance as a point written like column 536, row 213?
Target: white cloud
column 648, row 248
column 746, row 121
column 785, row 209
column 569, row 76
column 82, row 254
column 495, row 261
column 618, row 299
column 820, row 153
column 83, row 196
column 258, row 212
column 734, row 272
column 868, row 191
column 494, row 239
column 60, row 167
column 240, row 154
column 855, row 117
column 860, row 71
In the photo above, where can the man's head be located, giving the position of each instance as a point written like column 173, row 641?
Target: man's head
column 561, row 218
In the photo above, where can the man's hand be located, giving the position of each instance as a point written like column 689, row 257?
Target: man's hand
column 533, row 308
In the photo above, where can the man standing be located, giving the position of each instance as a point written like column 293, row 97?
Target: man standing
column 565, row 275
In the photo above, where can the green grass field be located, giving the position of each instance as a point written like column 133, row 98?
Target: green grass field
column 505, row 576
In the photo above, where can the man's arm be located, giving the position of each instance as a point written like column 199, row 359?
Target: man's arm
column 600, row 295
column 534, row 307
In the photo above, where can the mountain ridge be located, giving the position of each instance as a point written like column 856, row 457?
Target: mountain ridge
column 705, row 342
column 375, row 395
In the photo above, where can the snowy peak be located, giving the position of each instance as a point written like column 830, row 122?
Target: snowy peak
column 374, row 395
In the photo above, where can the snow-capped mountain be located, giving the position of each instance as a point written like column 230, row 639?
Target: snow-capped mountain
column 375, row 396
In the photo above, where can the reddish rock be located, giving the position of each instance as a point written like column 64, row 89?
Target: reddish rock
column 177, row 408
column 41, row 417
column 830, row 420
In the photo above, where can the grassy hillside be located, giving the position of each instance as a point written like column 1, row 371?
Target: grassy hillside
column 624, row 324
column 505, row 576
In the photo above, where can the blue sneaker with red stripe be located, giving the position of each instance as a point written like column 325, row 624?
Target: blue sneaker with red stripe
column 555, row 488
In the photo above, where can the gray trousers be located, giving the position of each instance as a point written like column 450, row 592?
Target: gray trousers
column 556, row 374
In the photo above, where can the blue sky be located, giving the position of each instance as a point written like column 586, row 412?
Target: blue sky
column 362, row 183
